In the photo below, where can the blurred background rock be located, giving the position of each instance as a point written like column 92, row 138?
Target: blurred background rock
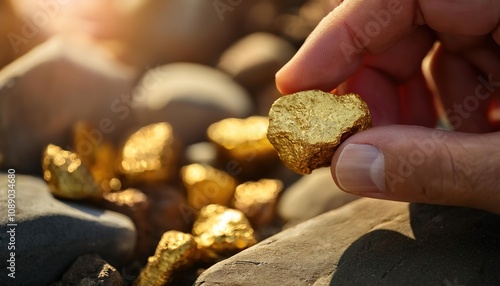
column 67, row 60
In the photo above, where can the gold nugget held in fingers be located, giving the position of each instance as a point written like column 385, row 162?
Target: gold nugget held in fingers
column 176, row 250
column 307, row 127
column 67, row 176
column 221, row 231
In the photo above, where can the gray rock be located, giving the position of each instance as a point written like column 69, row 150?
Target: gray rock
column 312, row 195
column 51, row 234
column 254, row 60
column 371, row 242
column 159, row 32
column 190, row 97
column 44, row 92
column 91, row 270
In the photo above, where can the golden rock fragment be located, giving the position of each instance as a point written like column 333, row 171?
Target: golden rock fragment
column 98, row 153
column 207, row 185
column 175, row 251
column 257, row 200
column 66, row 176
column 244, row 142
column 221, row 231
column 150, row 154
column 306, row 127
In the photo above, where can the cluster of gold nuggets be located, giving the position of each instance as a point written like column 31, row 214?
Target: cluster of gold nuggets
column 305, row 128
column 226, row 210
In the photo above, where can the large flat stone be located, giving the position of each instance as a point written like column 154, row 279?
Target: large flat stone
column 50, row 234
column 370, row 242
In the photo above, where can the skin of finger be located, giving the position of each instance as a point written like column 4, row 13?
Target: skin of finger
column 388, row 79
column 434, row 166
column 318, row 65
column 335, row 49
column 417, row 103
column 457, row 43
column 379, row 91
column 403, row 59
column 481, row 51
column 463, row 98
column 315, row 66
column 465, row 17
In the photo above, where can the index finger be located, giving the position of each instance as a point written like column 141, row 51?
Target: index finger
column 335, row 49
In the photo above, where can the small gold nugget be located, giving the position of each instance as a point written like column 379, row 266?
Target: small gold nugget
column 66, row 176
column 306, row 127
column 150, row 154
column 175, row 251
column 257, row 200
column 221, row 231
column 206, row 185
column 245, row 141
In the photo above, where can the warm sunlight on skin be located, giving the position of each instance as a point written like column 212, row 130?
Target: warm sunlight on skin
column 376, row 49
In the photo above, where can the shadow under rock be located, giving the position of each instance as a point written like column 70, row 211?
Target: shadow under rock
column 452, row 246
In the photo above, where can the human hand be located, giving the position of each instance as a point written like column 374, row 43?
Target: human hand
column 376, row 49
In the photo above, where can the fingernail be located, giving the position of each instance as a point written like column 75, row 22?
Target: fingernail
column 360, row 169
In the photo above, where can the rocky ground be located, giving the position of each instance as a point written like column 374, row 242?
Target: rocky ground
column 94, row 77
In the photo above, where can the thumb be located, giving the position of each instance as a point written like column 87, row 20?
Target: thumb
column 416, row 164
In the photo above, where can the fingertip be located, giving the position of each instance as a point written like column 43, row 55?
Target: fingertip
column 295, row 77
column 282, row 83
